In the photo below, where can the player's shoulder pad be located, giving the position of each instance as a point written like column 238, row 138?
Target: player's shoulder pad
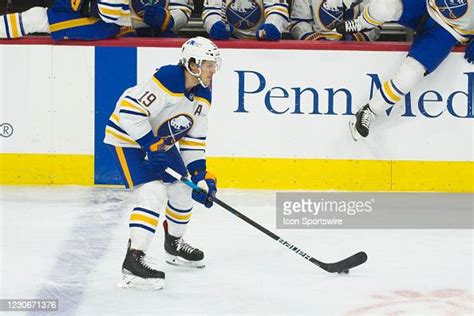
column 203, row 95
column 170, row 79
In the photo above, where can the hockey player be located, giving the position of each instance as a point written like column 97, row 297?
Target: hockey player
column 439, row 26
column 314, row 20
column 159, row 18
column 142, row 133
column 261, row 19
column 71, row 19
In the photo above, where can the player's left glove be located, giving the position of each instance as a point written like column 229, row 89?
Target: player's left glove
column 158, row 17
column 268, row 32
column 221, row 31
column 469, row 55
column 208, row 182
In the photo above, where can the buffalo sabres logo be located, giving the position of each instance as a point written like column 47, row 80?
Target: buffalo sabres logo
column 172, row 130
column 181, row 122
column 244, row 14
column 452, row 9
column 329, row 17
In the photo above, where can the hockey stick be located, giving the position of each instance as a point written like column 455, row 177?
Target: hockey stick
column 223, row 14
column 342, row 266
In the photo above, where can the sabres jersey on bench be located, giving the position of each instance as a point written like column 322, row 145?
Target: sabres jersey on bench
column 456, row 16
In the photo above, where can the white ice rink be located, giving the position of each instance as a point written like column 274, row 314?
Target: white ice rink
column 68, row 243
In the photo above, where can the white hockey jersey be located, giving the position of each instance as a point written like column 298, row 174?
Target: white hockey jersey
column 115, row 11
column 162, row 103
column 315, row 16
column 246, row 15
column 456, row 16
column 180, row 10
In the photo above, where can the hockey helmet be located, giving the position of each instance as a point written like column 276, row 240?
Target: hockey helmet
column 200, row 49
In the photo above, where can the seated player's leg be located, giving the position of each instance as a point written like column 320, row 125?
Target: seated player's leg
column 16, row 25
column 66, row 25
column 178, row 214
column 375, row 14
column 150, row 196
column 432, row 44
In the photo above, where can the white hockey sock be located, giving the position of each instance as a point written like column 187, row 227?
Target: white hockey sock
column 380, row 11
column 144, row 220
column 143, row 223
column 15, row 25
column 178, row 220
column 35, row 20
column 408, row 76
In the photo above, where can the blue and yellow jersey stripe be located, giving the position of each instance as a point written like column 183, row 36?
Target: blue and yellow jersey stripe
column 192, row 143
column 113, row 11
column 128, row 106
column 55, row 27
column 280, row 9
column 113, row 129
column 187, row 10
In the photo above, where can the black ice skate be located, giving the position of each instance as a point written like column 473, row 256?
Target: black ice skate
column 180, row 253
column 349, row 27
column 360, row 124
column 136, row 272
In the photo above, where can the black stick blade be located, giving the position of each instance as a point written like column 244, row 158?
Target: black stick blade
column 345, row 264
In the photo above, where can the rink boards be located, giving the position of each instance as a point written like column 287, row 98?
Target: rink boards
column 278, row 120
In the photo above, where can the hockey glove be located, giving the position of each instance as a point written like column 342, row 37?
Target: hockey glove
column 221, row 31
column 157, row 161
column 469, row 55
column 158, row 17
column 208, row 182
column 175, row 162
column 268, row 32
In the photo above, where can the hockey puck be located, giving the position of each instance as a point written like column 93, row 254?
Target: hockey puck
column 344, row 272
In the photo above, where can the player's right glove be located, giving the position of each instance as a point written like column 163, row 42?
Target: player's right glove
column 221, row 31
column 268, row 32
column 176, row 163
column 158, row 160
column 208, row 182
column 469, row 55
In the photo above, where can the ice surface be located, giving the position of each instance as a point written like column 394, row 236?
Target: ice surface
column 69, row 242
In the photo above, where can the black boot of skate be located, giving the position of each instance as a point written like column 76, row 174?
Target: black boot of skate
column 180, row 253
column 360, row 124
column 136, row 272
column 349, row 27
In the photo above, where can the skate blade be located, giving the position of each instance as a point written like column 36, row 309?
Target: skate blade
column 354, row 133
column 130, row 281
column 178, row 261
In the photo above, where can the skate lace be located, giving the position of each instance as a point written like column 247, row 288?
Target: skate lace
column 366, row 118
column 352, row 26
column 144, row 263
column 184, row 246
